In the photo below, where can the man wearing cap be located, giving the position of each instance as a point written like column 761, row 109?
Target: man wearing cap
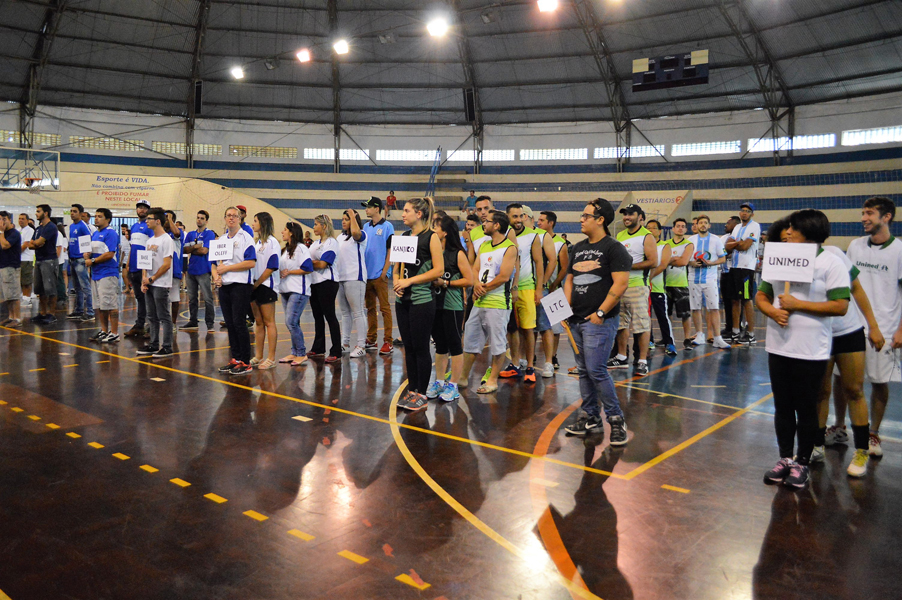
column 244, row 226
column 376, row 259
column 139, row 236
column 744, row 245
column 640, row 244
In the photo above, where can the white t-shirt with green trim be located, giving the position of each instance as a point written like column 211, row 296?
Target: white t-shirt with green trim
column 808, row 336
column 880, row 274
column 853, row 320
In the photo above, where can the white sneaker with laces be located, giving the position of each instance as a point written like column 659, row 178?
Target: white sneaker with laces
column 548, row 371
column 699, row 339
column 874, row 448
column 719, row 343
column 859, row 465
column 836, row 434
column 357, row 352
column 817, row 455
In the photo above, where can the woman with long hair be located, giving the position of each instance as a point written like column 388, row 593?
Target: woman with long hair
column 352, row 279
column 233, row 278
column 799, row 335
column 295, row 265
column 324, row 289
column 415, row 308
column 447, row 327
column 266, row 282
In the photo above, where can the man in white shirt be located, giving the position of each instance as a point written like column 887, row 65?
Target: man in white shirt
column 878, row 258
column 27, row 234
column 709, row 253
column 156, row 283
column 744, row 245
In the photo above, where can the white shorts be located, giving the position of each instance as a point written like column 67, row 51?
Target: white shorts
column 486, row 323
column 883, row 366
column 704, row 295
column 174, row 291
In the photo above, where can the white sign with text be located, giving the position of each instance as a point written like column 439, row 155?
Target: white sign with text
column 404, row 248
column 145, row 260
column 556, row 306
column 84, row 244
column 788, row 262
column 221, row 250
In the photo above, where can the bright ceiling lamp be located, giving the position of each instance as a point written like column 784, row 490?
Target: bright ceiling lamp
column 437, row 27
column 237, row 72
column 303, row 55
column 547, row 5
column 341, row 47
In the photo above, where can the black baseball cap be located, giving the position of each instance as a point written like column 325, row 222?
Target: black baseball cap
column 631, row 208
column 604, row 209
column 374, row 201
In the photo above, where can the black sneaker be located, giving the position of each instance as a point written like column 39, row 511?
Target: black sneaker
column 554, row 361
column 148, row 350
column 164, row 352
column 241, row 369
column 228, row 367
column 616, row 363
column 50, row 320
column 642, row 368
column 190, row 326
column 584, row 425
column 111, row 338
column 87, row 319
column 618, row 431
column 98, row 337
column 747, row 339
column 779, row 472
column 798, row 476
column 687, row 344
column 75, row 316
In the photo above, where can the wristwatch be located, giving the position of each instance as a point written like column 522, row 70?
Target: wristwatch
column 599, row 313
column 150, row 279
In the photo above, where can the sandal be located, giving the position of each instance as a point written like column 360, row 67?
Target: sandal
column 266, row 364
column 300, row 361
column 255, row 361
column 288, row 359
column 486, row 389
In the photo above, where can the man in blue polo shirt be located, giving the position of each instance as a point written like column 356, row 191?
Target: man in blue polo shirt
column 79, row 277
column 197, row 246
column 104, row 263
column 10, row 269
column 376, row 257
column 139, row 236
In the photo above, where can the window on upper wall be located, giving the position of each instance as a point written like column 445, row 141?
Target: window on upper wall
column 179, row 148
column 263, row 151
column 487, row 155
column 729, row 147
column 555, row 154
column 40, row 139
column 880, row 135
column 632, row 152
column 101, row 143
column 799, row 142
column 406, row 155
column 329, row 154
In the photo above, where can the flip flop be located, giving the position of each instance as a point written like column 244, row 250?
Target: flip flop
column 288, row 359
column 486, row 389
column 299, row 362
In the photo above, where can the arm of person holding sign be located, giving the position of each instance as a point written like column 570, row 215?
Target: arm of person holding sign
column 438, row 267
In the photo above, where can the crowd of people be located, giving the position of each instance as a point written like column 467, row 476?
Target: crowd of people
column 480, row 288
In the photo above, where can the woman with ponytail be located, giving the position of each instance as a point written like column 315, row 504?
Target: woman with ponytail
column 295, row 265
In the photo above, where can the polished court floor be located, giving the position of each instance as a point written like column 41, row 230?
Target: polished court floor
column 133, row 478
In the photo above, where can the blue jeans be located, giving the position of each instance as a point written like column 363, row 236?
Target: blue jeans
column 595, row 343
column 81, row 282
column 294, row 304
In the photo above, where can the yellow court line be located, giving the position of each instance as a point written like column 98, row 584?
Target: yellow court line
column 179, row 482
column 4, row 596
column 353, row 557
column 669, row 395
column 96, row 445
column 680, row 447
column 301, row 535
column 673, row 488
column 460, row 508
column 255, row 515
column 334, row 408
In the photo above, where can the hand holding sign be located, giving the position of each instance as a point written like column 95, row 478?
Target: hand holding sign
column 788, row 262
column 556, row 307
column 221, row 250
column 404, row 249
column 145, row 260
column 84, row 244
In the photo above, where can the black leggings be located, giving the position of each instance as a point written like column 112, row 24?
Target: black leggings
column 796, row 384
column 447, row 331
column 234, row 300
column 322, row 303
column 415, row 323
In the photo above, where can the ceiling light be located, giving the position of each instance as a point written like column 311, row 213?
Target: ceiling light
column 387, row 39
column 271, row 63
column 547, row 5
column 486, row 18
column 303, row 55
column 437, row 27
column 341, row 47
column 237, row 72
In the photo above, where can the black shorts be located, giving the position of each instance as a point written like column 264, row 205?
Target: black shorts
column 849, row 343
column 742, row 284
column 727, row 291
column 512, row 321
column 264, row 295
column 678, row 302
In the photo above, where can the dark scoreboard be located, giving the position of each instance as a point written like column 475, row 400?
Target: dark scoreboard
column 675, row 70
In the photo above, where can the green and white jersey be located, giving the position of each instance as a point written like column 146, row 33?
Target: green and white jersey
column 880, row 274
column 657, row 282
column 489, row 259
column 527, row 269
column 635, row 245
column 677, row 276
column 559, row 243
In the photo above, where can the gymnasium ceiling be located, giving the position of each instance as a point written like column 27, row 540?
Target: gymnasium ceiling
column 526, row 66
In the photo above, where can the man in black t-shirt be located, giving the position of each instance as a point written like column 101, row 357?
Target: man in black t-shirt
column 599, row 268
column 46, row 266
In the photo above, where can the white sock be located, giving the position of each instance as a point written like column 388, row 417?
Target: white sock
column 621, row 357
column 643, row 361
column 735, row 331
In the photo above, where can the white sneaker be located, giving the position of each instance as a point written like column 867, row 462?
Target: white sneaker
column 817, row 455
column 859, row 465
column 345, row 348
column 719, row 343
column 874, row 448
column 699, row 339
column 548, row 371
column 357, row 352
column 523, row 363
column 836, row 434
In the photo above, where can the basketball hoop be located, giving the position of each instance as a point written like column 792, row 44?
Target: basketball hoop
column 32, row 184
